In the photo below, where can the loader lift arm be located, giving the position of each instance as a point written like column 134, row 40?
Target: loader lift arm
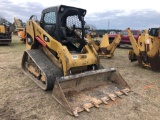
column 133, row 42
column 105, row 49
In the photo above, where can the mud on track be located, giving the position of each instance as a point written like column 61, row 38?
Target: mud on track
column 20, row 98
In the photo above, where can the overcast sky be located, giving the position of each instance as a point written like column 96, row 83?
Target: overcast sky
column 104, row 14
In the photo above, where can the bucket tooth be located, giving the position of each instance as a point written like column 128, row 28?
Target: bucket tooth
column 96, row 105
column 75, row 112
column 112, row 97
column 125, row 91
column 104, row 100
column 86, row 107
column 96, row 102
column 119, row 93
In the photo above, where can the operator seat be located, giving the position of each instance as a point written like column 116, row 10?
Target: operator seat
column 63, row 34
column 67, row 41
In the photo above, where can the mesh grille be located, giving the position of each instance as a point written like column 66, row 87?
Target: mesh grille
column 73, row 20
column 50, row 18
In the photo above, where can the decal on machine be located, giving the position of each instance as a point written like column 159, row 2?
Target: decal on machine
column 75, row 56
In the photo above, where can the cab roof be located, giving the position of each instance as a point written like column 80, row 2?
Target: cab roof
column 58, row 8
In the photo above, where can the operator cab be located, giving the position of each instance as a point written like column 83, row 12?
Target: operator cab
column 65, row 24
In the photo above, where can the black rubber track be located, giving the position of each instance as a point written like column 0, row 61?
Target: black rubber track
column 44, row 64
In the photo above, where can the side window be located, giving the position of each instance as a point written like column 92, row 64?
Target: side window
column 50, row 18
column 134, row 32
column 73, row 20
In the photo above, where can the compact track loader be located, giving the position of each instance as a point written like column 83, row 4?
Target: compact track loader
column 146, row 51
column 58, row 57
column 103, row 48
column 5, row 34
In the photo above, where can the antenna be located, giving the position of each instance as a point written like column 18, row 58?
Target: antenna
column 108, row 25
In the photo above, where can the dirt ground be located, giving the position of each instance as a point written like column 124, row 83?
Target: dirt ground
column 20, row 98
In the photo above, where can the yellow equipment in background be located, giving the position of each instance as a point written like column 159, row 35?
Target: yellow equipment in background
column 5, row 34
column 20, row 29
column 103, row 48
column 22, row 35
column 146, row 51
column 18, row 24
column 58, row 57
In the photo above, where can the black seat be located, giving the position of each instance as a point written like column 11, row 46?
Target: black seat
column 67, row 41
column 63, row 33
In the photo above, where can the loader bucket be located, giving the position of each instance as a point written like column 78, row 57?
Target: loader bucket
column 80, row 92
